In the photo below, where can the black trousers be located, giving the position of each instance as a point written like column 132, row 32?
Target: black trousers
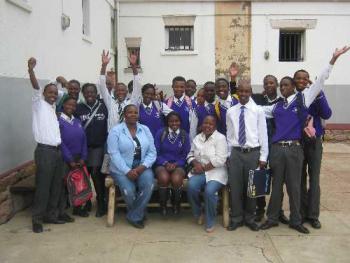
column 286, row 163
column 242, row 207
column 310, row 198
column 48, row 182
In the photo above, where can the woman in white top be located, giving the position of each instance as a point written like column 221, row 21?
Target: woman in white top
column 207, row 157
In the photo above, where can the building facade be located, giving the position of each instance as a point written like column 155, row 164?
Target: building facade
column 66, row 37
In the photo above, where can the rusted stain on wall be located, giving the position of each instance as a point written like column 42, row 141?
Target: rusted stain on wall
column 232, row 37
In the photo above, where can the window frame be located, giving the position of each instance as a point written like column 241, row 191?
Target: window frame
column 299, row 48
column 179, row 47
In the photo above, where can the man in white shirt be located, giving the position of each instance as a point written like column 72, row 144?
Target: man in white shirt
column 48, row 158
column 248, row 143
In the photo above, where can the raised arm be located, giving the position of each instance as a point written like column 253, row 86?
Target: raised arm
column 233, row 71
column 33, row 80
column 312, row 92
column 101, row 83
column 136, row 95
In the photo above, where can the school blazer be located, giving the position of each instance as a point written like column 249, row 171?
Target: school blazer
column 121, row 148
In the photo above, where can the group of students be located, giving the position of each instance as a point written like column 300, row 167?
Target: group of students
column 213, row 139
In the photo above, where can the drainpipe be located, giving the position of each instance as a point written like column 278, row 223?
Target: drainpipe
column 116, row 28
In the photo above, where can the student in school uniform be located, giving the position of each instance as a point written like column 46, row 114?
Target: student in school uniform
column 191, row 88
column 47, row 155
column 116, row 104
column 93, row 115
column 208, row 108
column 74, row 149
column 200, row 100
column 248, row 143
column 286, row 158
column 224, row 102
column 132, row 152
column 319, row 110
column 269, row 97
column 172, row 144
column 183, row 105
column 73, row 90
column 207, row 158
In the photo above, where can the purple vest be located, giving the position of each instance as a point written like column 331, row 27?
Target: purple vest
column 183, row 110
column 154, row 120
column 222, row 118
column 289, row 123
column 203, row 112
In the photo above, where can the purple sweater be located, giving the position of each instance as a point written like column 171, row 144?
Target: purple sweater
column 320, row 109
column 172, row 152
column 73, row 139
column 154, row 121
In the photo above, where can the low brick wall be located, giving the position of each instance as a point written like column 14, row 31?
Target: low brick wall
column 337, row 136
column 11, row 203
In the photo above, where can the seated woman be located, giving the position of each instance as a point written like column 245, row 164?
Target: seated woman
column 172, row 144
column 74, row 150
column 207, row 157
column 131, row 148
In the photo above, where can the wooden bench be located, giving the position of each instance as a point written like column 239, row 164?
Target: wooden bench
column 113, row 202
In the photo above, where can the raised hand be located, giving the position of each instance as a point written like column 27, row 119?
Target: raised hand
column 338, row 52
column 133, row 59
column 233, row 70
column 31, row 63
column 105, row 58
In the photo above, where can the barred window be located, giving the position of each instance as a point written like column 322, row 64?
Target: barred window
column 179, row 38
column 291, row 46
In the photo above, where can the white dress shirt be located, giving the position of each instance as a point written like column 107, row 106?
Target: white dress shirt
column 111, row 103
column 255, row 127
column 45, row 124
column 309, row 94
column 213, row 150
column 226, row 103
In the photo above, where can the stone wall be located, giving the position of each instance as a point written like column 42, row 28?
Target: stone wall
column 10, row 203
column 232, row 37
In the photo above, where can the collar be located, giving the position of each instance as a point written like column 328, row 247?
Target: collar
column 148, row 106
column 123, row 103
column 177, row 131
column 87, row 105
column 228, row 99
column 181, row 99
column 269, row 100
column 248, row 105
column 211, row 137
column 193, row 97
column 290, row 98
column 66, row 118
column 207, row 103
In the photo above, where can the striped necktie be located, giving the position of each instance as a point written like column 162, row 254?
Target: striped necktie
column 241, row 133
column 120, row 112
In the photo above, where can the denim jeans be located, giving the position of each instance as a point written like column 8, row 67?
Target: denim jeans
column 136, row 193
column 195, row 184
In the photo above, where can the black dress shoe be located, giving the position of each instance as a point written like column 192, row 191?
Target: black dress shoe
column 233, row 226
column 283, row 219
column 37, row 227
column 66, row 218
column 300, row 228
column 258, row 218
column 138, row 224
column 315, row 223
column 55, row 221
column 252, row 226
column 78, row 211
column 268, row 224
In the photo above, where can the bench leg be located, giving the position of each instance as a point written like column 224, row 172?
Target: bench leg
column 111, row 206
column 225, row 207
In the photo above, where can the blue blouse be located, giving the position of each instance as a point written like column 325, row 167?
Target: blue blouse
column 121, row 148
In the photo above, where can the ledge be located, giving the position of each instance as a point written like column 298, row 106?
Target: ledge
column 87, row 39
column 179, row 53
column 21, row 4
column 129, row 70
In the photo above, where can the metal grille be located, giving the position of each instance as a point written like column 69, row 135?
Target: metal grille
column 180, row 37
column 290, row 47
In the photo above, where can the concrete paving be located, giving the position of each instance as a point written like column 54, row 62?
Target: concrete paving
column 181, row 240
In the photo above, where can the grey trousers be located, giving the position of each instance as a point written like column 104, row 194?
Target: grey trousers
column 286, row 164
column 310, row 198
column 242, row 207
column 48, row 182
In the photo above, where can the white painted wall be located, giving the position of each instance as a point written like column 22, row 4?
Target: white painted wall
column 145, row 20
column 38, row 33
column 332, row 30
column 58, row 51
